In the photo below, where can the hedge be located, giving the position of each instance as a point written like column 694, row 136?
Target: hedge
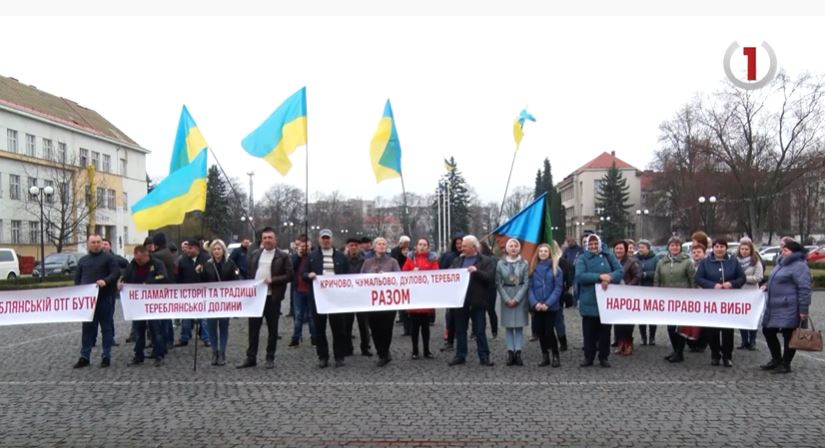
column 52, row 281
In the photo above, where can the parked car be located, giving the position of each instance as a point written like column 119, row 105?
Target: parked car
column 63, row 263
column 9, row 264
column 769, row 253
column 817, row 255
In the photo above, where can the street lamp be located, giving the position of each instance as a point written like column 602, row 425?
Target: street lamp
column 707, row 203
column 41, row 194
column 641, row 214
column 251, row 224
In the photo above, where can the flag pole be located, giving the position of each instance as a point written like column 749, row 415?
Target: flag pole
column 234, row 192
column 507, row 186
column 406, row 209
column 306, row 190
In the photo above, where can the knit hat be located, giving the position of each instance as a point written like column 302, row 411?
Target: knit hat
column 645, row 242
column 674, row 239
column 159, row 239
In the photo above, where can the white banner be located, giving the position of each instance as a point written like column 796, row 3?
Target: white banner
column 49, row 305
column 720, row 308
column 245, row 298
column 391, row 291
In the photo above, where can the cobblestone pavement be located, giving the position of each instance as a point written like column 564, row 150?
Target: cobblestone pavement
column 641, row 401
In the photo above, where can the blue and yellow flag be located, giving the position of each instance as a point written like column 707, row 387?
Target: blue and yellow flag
column 518, row 126
column 182, row 191
column 189, row 142
column 281, row 134
column 528, row 226
column 385, row 148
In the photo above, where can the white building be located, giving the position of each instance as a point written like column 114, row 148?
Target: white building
column 46, row 140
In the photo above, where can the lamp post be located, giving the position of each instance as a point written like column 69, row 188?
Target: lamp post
column 641, row 214
column 707, row 203
column 251, row 225
column 41, row 194
column 288, row 230
column 602, row 221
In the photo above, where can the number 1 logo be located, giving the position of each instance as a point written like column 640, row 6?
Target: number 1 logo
column 751, row 83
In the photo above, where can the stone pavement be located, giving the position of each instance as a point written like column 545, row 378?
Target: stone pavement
column 641, row 401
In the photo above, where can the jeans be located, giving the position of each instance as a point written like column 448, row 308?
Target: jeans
column 462, row 318
column 102, row 317
column 784, row 353
column 272, row 312
column 301, row 314
column 218, row 333
column 155, row 332
column 168, row 331
column 544, row 322
column 420, row 323
column 186, row 330
column 515, row 338
column 449, row 322
column 596, row 338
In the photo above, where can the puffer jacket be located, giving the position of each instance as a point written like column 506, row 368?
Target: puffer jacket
column 713, row 271
column 424, row 262
column 648, row 265
column 589, row 267
column 674, row 272
column 544, row 287
column 789, row 292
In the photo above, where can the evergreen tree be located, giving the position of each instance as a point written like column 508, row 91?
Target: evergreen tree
column 540, row 186
column 217, row 214
column 612, row 199
column 459, row 199
column 544, row 183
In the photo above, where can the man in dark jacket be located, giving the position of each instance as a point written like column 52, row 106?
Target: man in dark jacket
column 164, row 254
column 572, row 251
column 100, row 268
column 326, row 260
column 121, row 263
column 300, row 293
column 275, row 268
column 356, row 260
column 399, row 253
column 482, row 276
column 144, row 269
column 239, row 256
column 193, row 257
column 444, row 262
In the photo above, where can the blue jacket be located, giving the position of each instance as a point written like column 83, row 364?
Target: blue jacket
column 789, row 292
column 544, row 287
column 572, row 252
column 712, row 272
column 588, row 268
column 648, row 265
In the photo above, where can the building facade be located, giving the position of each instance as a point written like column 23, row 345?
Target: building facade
column 49, row 141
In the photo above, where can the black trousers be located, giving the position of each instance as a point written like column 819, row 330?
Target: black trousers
column 272, row 311
column 596, row 338
column 677, row 341
column 449, row 322
column 647, row 330
column 624, row 332
column 381, row 326
column 721, row 342
column 544, row 323
column 363, row 330
column 491, row 310
column 340, row 339
column 784, row 353
column 420, row 323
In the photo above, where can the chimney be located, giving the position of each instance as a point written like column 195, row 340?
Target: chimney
column 613, row 153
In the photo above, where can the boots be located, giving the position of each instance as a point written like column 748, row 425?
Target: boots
column 545, row 359
column 221, row 358
column 620, row 347
column 563, row 343
column 628, row 348
column 511, row 358
column 517, row 359
column 556, row 362
column 214, row 358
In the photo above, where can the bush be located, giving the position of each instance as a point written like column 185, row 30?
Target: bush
column 35, row 282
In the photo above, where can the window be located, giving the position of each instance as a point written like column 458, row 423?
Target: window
column 107, row 163
column 101, row 197
column 34, row 232
column 48, row 149
column 31, row 145
column 84, row 157
column 11, row 140
column 32, row 182
column 125, row 201
column 16, row 230
column 61, row 152
column 96, row 159
column 50, row 198
column 122, row 167
column 110, row 199
column 14, row 187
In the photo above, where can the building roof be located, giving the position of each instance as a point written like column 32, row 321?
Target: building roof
column 29, row 99
column 604, row 161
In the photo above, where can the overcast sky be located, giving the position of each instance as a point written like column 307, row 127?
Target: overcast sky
column 456, row 84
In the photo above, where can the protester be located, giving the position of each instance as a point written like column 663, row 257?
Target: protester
column 647, row 261
column 121, row 264
column 674, row 270
column 381, row 322
column 164, row 254
column 631, row 276
column 399, row 253
column 421, row 260
column 491, row 294
column 751, row 264
column 239, row 257
column 274, row 268
column 300, row 293
column 356, row 260
column 789, row 300
column 221, row 269
column 100, row 268
column 572, row 251
column 482, row 276
column 144, row 269
column 366, row 247
column 511, row 283
column 720, row 271
column 544, row 293
column 567, row 300
column 595, row 267
column 444, row 262
column 326, row 260
column 192, row 257
column 698, row 343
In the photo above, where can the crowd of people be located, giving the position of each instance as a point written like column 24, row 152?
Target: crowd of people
column 529, row 293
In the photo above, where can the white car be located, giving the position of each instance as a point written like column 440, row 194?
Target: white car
column 769, row 253
column 9, row 264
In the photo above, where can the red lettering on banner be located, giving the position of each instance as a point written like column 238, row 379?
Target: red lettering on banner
column 83, row 303
column 737, row 308
column 446, row 278
column 709, row 308
column 654, row 305
column 133, row 294
column 390, row 297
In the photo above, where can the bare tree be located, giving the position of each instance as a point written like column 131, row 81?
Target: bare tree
column 519, row 198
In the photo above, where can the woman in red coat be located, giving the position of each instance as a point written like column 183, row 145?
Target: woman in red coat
column 421, row 260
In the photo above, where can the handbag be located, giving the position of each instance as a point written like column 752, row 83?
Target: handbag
column 806, row 339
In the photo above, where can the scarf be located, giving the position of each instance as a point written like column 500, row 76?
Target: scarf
column 745, row 262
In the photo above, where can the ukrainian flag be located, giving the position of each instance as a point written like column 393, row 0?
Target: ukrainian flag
column 385, row 149
column 283, row 132
column 189, row 142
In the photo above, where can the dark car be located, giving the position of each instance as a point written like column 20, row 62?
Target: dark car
column 64, row 263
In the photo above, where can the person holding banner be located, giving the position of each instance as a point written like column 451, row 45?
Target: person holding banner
column 482, row 276
column 751, row 264
column 300, row 293
column 595, row 268
column 631, row 276
column 274, row 268
column 356, row 261
column 326, row 260
column 381, row 322
column 647, row 261
column 675, row 270
column 789, row 299
column 544, row 292
column 444, row 262
column 145, row 269
column 219, row 268
column 192, row 257
column 511, row 284
column 100, row 268
column 421, row 260
column 720, row 271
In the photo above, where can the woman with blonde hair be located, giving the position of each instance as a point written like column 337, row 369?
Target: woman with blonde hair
column 544, row 293
column 751, row 264
column 219, row 268
column 511, row 284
